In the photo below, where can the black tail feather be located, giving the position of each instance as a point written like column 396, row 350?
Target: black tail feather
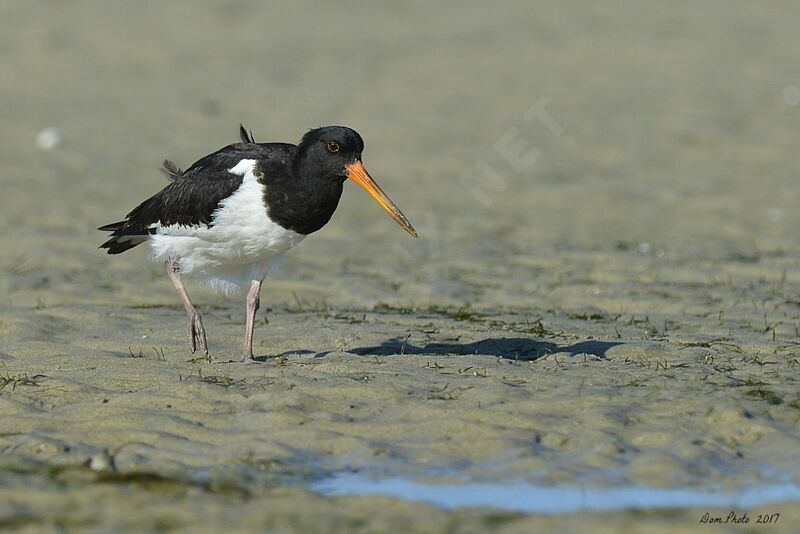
column 119, row 244
column 113, row 227
column 124, row 238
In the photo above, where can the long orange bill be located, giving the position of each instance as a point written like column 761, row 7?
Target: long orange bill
column 357, row 173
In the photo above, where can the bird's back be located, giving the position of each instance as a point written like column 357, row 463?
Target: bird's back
column 212, row 217
column 193, row 195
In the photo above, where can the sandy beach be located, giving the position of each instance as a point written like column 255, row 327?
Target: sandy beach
column 605, row 292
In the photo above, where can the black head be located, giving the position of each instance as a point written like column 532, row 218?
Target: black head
column 328, row 150
column 334, row 153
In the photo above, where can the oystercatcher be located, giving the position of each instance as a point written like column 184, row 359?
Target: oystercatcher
column 230, row 218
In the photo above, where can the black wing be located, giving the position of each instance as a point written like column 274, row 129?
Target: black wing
column 190, row 198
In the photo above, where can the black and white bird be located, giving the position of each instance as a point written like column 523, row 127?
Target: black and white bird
column 230, row 218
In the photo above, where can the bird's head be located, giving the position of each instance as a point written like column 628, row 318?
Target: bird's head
column 334, row 152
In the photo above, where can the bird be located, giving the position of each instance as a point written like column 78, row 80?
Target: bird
column 229, row 219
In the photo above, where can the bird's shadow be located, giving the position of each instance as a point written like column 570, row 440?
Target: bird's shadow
column 511, row 348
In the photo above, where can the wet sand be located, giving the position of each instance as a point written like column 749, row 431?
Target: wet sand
column 616, row 305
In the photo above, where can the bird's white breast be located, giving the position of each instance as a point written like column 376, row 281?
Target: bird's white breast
column 242, row 244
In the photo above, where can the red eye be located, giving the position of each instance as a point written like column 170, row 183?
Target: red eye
column 333, row 146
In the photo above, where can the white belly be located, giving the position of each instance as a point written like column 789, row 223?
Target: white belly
column 242, row 245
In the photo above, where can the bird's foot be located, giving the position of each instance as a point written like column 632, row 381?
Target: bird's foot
column 196, row 332
column 248, row 358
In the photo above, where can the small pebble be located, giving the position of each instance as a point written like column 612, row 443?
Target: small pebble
column 48, row 139
column 101, row 462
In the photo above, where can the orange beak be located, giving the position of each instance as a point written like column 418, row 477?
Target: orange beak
column 357, row 173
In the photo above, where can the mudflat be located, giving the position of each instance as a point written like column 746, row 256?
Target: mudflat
column 605, row 291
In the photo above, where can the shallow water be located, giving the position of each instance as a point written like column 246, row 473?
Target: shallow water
column 519, row 496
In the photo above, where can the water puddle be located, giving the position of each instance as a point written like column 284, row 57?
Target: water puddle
column 525, row 497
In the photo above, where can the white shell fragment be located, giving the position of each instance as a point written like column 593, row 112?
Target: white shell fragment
column 48, row 139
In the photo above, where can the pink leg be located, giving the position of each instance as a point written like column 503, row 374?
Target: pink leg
column 253, row 303
column 194, row 329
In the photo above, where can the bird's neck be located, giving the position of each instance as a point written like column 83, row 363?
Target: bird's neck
column 303, row 200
